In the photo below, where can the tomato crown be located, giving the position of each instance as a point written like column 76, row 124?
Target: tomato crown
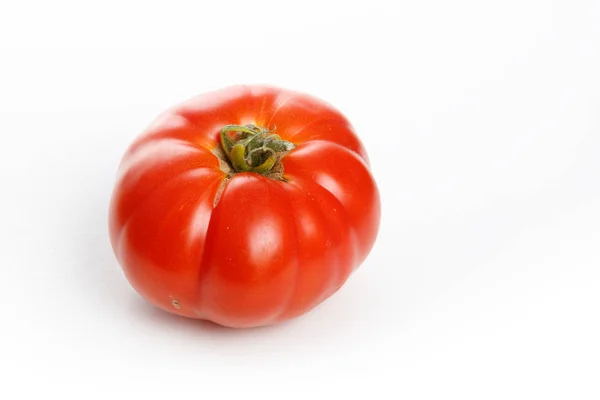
column 251, row 148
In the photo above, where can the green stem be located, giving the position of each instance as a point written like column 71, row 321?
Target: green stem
column 237, row 158
column 254, row 149
column 239, row 128
column 267, row 165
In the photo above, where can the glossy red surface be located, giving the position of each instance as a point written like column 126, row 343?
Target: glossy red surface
column 264, row 251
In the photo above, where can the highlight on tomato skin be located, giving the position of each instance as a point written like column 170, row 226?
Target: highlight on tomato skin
column 246, row 206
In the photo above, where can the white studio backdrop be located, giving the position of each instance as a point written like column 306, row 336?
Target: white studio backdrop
column 482, row 123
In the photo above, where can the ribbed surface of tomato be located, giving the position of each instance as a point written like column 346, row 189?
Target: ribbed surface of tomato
column 243, row 250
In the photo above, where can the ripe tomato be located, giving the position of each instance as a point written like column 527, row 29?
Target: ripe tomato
column 245, row 206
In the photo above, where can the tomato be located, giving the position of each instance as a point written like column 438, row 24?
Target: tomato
column 245, row 206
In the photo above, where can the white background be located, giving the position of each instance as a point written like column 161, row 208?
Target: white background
column 482, row 121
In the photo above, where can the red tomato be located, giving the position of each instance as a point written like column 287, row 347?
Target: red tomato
column 245, row 206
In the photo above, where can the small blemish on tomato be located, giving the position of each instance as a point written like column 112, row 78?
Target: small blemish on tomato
column 175, row 304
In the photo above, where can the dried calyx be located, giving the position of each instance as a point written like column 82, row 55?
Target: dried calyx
column 254, row 149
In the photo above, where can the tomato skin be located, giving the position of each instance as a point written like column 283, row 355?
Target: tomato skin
column 244, row 250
